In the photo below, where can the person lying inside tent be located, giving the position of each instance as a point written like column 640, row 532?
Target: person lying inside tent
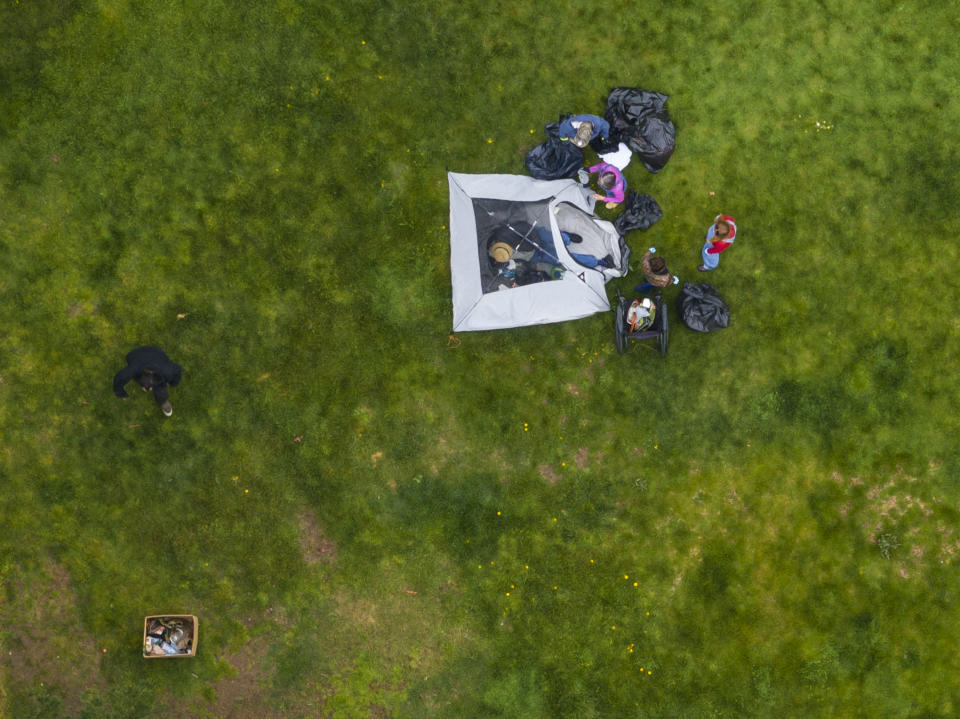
column 518, row 259
column 570, row 238
column 525, row 255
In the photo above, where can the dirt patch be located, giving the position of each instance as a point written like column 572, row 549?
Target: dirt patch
column 888, row 516
column 399, row 174
column 316, row 548
column 549, row 473
column 78, row 309
column 44, row 641
column 582, row 459
column 238, row 697
column 243, row 695
column 356, row 611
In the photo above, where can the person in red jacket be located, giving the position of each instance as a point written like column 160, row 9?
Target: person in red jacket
column 719, row 237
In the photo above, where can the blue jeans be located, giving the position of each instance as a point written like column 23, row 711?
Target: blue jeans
column 546, row 240
column 711, row 262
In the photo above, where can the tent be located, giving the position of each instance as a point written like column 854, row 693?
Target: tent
column 526, row 252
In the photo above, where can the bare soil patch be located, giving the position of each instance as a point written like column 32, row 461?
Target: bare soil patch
column 582, row 458
column 316, row 548
column 549, row 473
column 43, row 637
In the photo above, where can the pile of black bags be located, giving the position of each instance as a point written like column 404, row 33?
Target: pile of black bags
column 639, row 119
column 702, row 308
column 555, row 159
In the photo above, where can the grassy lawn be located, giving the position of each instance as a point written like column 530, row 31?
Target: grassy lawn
column 372, row 518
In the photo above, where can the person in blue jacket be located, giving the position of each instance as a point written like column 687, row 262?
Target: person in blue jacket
column 584, row 129
column 153, row 371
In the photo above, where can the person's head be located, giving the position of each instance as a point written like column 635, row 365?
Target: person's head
column 147, row 379
column 584, row 133
column 500, row 252
column 658, row 266
column 721, row 228
column 607, row 180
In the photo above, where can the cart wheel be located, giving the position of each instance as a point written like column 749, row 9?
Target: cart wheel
column 664, row 331
column 620, row 332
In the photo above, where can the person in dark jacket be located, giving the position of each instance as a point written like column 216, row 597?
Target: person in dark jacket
column 154, row 371
column 583, row 129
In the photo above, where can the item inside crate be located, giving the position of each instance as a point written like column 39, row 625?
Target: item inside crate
column 169, row 636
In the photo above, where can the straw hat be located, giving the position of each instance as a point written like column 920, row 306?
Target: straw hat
column 501, row 252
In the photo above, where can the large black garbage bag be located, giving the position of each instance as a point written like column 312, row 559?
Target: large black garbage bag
column 702, row 308
column 603, row 145
column 639, row 212
column 639, row 118
column 555, row 159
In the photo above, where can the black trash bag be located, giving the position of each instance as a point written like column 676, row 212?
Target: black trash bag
column 639, row 212
column 603, row 145
column 702, row 308
column 638, row 118
column 555, row 159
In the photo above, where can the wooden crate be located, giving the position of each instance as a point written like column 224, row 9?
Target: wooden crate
column 191, row 627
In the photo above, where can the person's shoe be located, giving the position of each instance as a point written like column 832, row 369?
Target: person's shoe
column 703, row 268
column 167, row 408
column 583, row 176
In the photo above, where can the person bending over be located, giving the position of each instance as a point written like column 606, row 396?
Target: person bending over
column 611, row 182
column 583, row 129
column 655, row 272
column 153, row 371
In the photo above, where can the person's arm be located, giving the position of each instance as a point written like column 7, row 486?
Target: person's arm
column 602, row 128
column 121, row 378
column 591, row 170
column 566, row 129
column 718, row 247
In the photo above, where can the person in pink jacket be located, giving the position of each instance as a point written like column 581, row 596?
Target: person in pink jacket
column 611, row 182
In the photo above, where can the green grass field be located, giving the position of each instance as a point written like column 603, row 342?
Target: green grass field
column 374, row 519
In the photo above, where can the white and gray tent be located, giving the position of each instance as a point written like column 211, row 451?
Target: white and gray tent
column 526, row 252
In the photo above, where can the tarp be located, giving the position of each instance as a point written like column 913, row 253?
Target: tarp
column 525, row 251
column 702, row 308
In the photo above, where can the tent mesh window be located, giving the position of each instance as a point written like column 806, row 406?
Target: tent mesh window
column 515, row 244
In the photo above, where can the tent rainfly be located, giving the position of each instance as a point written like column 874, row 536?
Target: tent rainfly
column 527, row 252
